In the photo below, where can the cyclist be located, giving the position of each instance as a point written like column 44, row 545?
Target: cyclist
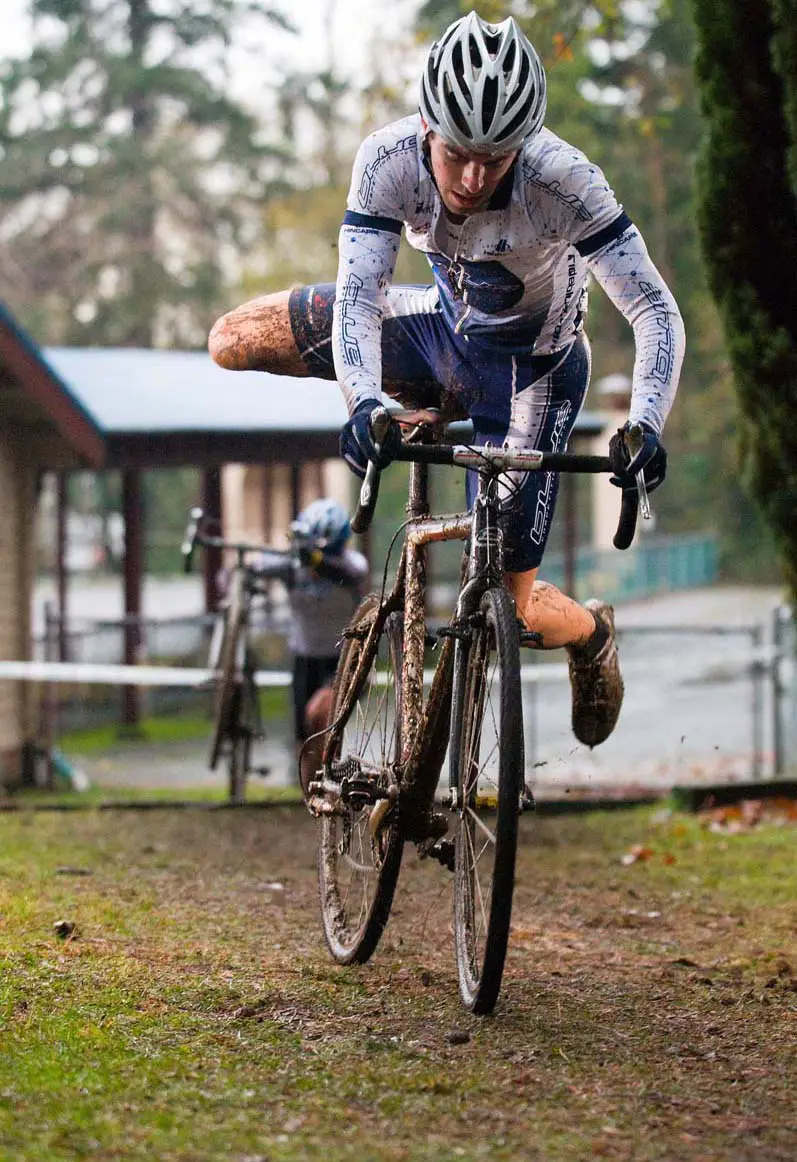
column 325, row 582
column 512, row 220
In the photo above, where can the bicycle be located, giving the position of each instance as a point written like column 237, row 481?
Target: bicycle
column 385, row 745
column 237, row 721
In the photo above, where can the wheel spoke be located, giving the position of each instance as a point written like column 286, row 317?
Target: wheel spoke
column 477, row 819
column 357, row 871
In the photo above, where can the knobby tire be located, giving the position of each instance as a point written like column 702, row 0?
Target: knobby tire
column 229, row 691
column 487, row 769
column 358, row 870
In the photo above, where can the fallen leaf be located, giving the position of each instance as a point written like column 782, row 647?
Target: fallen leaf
column 638, row 854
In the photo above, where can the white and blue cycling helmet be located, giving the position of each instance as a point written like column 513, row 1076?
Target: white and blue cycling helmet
column 483, row 87
column 324, row 524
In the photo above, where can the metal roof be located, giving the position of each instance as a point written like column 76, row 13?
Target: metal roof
column 135, row 390
column 163, row 408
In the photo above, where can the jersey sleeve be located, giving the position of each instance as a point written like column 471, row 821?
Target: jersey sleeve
column 582, row 207
column 273, row 565
column 368, row 247
column 626, row 272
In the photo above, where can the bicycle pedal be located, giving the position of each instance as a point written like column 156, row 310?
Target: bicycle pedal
column 443, row 852
column 427, row 829
column 529, row 638
column 460, row 633
column 527, row 802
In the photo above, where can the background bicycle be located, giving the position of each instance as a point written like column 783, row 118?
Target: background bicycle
column 237, row 720
column 387, row 741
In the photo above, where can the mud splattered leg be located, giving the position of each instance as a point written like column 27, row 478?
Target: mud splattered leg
column 546, row 610
column 257, row 336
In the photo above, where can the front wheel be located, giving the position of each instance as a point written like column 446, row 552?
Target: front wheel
column 360, row 849
column 227, row 650
column 238, row 758
column 486, row 756
column 242, row 729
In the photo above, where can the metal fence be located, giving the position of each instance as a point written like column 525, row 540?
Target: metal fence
column 653, row 565
column 703, row 703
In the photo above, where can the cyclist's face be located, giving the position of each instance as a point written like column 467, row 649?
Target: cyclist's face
column 466, row 181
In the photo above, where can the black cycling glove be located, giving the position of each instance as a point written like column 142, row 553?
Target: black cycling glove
column 357, row 443
column 649, row 457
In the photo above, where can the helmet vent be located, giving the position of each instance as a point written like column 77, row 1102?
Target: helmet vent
column 483, row 88
column 489, row 103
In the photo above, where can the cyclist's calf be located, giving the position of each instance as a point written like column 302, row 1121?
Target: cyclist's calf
column 316, row 716
column 545, row 610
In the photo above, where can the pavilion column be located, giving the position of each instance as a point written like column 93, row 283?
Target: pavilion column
column 61, row 569
column 212, row 558
column 317, row 468
column 296, row 489
column 133, row 578
column 267, row 482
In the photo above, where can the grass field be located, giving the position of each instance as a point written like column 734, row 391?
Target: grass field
column 649, row 1009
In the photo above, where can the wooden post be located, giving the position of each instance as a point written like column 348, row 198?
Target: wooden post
column 61, row 568
column 296, row 489
column 133, row 576
column 212, row 559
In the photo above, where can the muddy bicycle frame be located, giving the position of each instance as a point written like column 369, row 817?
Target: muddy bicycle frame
column 424, row 724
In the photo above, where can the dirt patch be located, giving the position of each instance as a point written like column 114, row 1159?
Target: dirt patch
column 648, row 1010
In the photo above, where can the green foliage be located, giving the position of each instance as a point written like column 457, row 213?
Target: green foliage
column 748, row 221
column 125, row 171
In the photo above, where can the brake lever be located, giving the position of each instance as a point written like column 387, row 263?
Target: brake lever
column 635, row 438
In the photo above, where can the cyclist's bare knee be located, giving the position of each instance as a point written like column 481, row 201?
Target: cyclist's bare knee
column 257, row 336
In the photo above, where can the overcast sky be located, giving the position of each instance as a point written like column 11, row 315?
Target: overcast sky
column 354, row 23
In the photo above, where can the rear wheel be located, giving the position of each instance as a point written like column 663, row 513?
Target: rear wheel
column 360, row 849
column 240, row 749
column 487, row 772
column 227, row 649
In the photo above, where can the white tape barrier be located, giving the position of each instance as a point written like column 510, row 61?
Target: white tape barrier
column 108, row 675
column 112, row 675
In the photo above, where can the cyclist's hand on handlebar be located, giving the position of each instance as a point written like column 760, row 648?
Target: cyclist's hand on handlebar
column 357, row 444
column 636, row 448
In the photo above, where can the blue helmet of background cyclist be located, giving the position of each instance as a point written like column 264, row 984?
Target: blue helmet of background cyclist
column 483, row 86
column 324, row 524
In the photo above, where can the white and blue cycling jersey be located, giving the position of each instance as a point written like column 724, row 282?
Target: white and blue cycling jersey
column 511, row 278
column 499, row 334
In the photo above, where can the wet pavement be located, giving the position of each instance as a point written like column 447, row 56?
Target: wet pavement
column 692, row 712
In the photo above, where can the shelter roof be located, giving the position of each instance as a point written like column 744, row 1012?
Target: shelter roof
column 163, row 408
column 34, row 396
column 178, row 407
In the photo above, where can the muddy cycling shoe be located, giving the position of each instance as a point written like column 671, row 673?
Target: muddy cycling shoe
column 595, row 682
